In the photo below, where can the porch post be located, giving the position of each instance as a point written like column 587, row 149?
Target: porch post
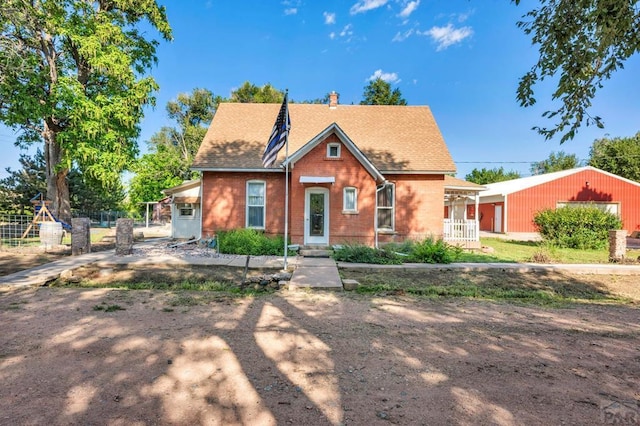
column 477, row 215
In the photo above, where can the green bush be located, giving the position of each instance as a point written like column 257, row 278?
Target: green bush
column 249, row 242
column 358, row 253
column 431, row 250
column 576, row 227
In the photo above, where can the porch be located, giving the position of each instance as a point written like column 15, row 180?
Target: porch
column 461, row 226
column 462, row 232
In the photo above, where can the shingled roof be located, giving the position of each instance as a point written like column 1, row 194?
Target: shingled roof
column 393, row 138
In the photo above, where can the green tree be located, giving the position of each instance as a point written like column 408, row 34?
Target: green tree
column 72, row 77
column 620, row 156
column 250, row 93
column 581, row 44
column 17, row 189
column 378, row 92
column 172, row 148
column 87, row 194
column 557, row 161
column 484, row 176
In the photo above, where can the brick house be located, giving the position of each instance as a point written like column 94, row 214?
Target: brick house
column 357, row 173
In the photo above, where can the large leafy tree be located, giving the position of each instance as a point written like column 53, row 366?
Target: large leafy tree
column 581, row 44
column 171, row 149
column 250, row 93
column 72, row 77
column 556, row 162
column 484, row 176
column 378, row 92
column 620, row 156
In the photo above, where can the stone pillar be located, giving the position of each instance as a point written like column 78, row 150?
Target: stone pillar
column 124, row 237
column 617, row 245
column 80, row 236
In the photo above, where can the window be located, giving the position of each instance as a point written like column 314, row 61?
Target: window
column 333, row 150
column 385, row 206
column 185, row 210
column 609, row 207
column 350, row 200
column 255, row 204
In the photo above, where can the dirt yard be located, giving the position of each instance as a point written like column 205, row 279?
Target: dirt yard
column 124, row 357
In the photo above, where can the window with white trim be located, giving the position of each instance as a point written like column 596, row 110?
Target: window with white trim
column 608, row 207
column 185, row 210
column 350, row 199
column 256, row 201
column 333, row 150
column 386, row 207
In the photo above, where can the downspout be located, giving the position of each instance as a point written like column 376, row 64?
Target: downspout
column 375, row 213
column 201, row 201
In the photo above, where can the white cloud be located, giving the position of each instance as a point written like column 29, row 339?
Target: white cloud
column 409, row 8
column 389, row 77
column 332, row 35
column 291, row 11
column 346, row 31
column 447, row 36
column 464, row 16
column 365, row 5
column 403, row 36
column 329, row 18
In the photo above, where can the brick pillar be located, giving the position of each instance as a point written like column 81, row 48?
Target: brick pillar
column 124, row 237
column 617, row 245
column 80, row 236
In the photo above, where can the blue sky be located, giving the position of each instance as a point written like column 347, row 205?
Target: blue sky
column 463, row 58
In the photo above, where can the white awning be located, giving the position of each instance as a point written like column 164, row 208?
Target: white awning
column 317, row 179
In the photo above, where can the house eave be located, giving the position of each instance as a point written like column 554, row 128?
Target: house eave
column 347, row 142
column 417, row 172
column 237, row 169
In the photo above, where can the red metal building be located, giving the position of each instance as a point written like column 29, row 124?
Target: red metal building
column 511, row 205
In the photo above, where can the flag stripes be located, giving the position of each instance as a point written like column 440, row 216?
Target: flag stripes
column 279, row 135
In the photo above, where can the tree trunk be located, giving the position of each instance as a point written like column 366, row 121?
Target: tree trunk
column 57, row 186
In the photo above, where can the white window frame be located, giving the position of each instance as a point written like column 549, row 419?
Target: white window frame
column 345, row 207
column 605, row 206
column 263, row 205
column 392, row 208
column 182, row 207
column 338, row 149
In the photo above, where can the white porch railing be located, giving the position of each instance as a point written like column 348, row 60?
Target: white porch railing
column 460, row 230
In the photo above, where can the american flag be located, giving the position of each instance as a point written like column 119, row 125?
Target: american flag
column 279, row 135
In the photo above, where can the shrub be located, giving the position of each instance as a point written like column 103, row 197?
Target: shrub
column 249, row 242
column 431, row 250
column 576, row 227
column 358, row 253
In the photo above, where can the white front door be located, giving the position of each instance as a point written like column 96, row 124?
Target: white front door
column 316, row 216
column 497, row 219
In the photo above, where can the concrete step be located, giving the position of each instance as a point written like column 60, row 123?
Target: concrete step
column 314, row 273
column 312, row 252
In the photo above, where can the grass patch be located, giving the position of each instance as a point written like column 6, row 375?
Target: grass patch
column 534, row 288
column 509, row 251
column 108, row 308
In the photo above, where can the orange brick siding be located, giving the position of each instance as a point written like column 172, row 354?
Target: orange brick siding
column 419, row 200
column 224, row 196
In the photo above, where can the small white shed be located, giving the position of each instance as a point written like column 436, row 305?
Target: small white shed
column 185, row 209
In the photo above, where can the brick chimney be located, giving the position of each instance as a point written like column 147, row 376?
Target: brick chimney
column 333, row 100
